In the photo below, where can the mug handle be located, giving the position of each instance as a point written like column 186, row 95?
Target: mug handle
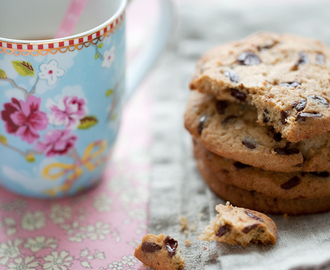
column 137, row 70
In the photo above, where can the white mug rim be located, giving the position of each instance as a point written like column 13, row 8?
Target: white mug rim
column 119, row 11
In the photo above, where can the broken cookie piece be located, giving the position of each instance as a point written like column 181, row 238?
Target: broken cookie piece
column 159, row 252
column 240, row 226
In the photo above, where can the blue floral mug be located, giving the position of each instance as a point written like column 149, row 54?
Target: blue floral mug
column 61, row 99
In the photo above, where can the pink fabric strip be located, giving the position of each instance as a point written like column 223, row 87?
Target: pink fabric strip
column 71, row 17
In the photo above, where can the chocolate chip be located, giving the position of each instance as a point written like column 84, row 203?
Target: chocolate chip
column 253, row 216
column 248, row 58
column 284, row 116
column 320, row 100
column 249, row 144
column 200, row 126
column 303, row 116
column 276, row 135
column 240, row 165
column 299, row 106
column 171, row 245
column 289, row 84
column 267, row 46
column 237, row 94
column 320, row 59
column 294, row 181
column 287, row 145
column 150, row 247
column 285, row 151
column 321, row 174
column 265, row 116
column 221, row 106
column 249, row 228
column 303, row 59
column 228, row 118
column 223, row 230
column 232, row 76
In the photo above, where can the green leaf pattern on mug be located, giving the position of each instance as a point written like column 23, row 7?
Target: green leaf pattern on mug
column 87, row 122
column 3, row 74
column 23, row 68
column 108, row 93
column 3, row 139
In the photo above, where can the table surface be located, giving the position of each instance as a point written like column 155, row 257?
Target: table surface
column 99, row 229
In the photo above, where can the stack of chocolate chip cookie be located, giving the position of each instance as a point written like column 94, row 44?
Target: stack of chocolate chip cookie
column 260, row 122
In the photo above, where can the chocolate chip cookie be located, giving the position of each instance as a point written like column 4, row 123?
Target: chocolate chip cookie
column 159, row 252
column 240, row 226
column 285, row 77
column 258, row 201
column 296, row 185
column 230, row 130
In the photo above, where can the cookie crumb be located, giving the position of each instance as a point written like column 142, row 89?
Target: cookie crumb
column 286, row 216
column 187, row 243
column 193, row 227
column 240, row 226
column 184, row 223
column 160, row 252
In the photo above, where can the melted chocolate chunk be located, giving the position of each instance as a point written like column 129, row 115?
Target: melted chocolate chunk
column 303, row 116
column 285, row 151
column 276, row 135
column 294, row 181
column 232, row 76
column 320, row 59
column 200, row 126
column 265, row 116
column 171, row 245
column 248, row 59
column 324, row 174
column 223, row 230
column 284, row 116
column 300, row 106
column 228, row 118
column 239, row 165
column 253, row 216
column 150, row 247
column 289, row 84
column 319, row 99
column 221, row 106
column 249, row 228
column 249, row 144
column 237, row 94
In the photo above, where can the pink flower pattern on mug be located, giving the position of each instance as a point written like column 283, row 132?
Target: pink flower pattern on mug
column 24, row 118
column 57, row 142
column 63, row 124
column 68, row 112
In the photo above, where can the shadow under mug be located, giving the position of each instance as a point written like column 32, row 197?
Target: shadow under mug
column 61, row 99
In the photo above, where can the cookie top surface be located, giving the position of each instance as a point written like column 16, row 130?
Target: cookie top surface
column 286, row 77
column 231, row 131
column 159, row 252
column 296, row 185
column 235, row 225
